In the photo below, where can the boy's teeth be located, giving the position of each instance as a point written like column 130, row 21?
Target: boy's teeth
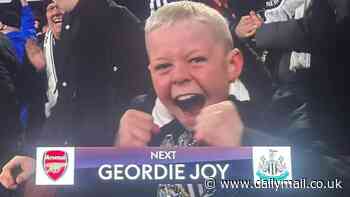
column 184, row 97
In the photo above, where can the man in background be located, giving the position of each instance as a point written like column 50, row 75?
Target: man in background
column 95, row 77
column 9, row 114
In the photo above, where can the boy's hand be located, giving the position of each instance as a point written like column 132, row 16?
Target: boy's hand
column 26, row 165
column 219, row 125
column 136, row 129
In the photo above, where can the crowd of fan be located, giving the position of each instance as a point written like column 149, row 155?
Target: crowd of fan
column 293, row 82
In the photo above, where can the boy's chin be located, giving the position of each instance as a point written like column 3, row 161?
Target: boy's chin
column 187, row 119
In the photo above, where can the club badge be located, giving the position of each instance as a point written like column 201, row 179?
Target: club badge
column 273, row 167
column 272, row 163
column 55, row 163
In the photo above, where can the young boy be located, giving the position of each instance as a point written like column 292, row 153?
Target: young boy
column 192, row 64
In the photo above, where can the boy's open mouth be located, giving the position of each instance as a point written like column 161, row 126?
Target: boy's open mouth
column 191, row 103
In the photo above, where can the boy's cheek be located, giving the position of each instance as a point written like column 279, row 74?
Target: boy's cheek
column 162, row 87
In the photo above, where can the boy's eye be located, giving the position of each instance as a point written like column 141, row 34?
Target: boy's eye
column 162, row 66
column 197, row 60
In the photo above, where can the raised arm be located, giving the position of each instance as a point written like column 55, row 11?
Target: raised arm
column 35, row 54
column 27, row 20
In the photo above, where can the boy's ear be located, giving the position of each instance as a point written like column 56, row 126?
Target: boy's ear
column 235, row 64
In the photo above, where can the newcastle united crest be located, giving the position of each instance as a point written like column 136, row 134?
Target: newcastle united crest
column 272, row 167
column 272, row 163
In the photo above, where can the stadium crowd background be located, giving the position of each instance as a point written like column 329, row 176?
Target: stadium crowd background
column 306, row 104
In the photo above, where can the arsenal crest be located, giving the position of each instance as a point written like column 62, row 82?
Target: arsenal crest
column 55, row 163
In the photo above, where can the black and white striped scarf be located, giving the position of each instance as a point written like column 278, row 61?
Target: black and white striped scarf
column 287, row 10
column 52, row 92
column 156, row 4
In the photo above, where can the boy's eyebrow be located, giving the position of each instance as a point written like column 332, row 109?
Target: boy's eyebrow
column 160, row 59
column 191, row 52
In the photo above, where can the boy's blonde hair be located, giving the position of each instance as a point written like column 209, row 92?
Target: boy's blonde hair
column 191, row 11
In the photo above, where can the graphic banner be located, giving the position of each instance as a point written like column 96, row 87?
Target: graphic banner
column 60, row 165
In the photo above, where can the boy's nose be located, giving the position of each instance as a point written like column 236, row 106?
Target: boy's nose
column 181, row 74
